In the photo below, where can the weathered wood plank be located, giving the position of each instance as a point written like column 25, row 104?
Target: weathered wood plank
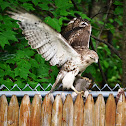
column 125, row 111
column 46, row 111
column 35, row 116
column 89, row 112
column 100, row 111
column 68, row 111
column 78, row 117
column 110, row 113
column 24, row 116
column 57, row 111
column 120, row 111
column 13, row 112
column 3, row 110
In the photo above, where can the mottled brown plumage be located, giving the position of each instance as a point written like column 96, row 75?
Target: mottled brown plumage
column 77, row 32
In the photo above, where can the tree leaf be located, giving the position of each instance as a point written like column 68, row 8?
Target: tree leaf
column 53, row 22
column 35, row 2
column 44, row 6
column 3, row 41
column 28, row 6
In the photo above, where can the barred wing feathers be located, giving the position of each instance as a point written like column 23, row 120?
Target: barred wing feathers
column 49, row 43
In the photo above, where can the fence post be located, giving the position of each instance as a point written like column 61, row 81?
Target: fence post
column 3, row 110
column 13, row 112
column 89, row 112
column 68, row 111
column 110, row 113
column 120, row 111
column 78, row 118
column 35, row 116
column 46, row 111
column 100, row 111
column 24, row 116
column 57, row 111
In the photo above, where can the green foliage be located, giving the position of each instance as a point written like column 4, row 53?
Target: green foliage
column 19, row 64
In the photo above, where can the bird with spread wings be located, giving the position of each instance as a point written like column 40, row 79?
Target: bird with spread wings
column 70, row 51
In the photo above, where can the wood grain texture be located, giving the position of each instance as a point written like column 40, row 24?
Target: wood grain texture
column 46, row 111
column 121, row 112
column 110, row 113
column 24, row 116
column 78, row 118
column 100, row 111
column 57, row 111
column 35, row 116
column 3, row 110
column 68, row 111
column 13, row 112
column 89, row 119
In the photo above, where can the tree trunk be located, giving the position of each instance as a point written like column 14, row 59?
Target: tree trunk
column 124, row 45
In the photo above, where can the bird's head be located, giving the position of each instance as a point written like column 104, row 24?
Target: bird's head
column 79, row 23
column 90, row 57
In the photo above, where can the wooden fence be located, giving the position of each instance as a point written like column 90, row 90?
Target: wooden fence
column 59, row 113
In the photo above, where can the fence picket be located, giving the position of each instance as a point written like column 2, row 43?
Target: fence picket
column 100, row 111
column 68, row 111
column 89, row 112
column 46, row 111
column 125, row 111
column 57, row 111
column 24, row 116
column 3, row 110
column 13, row 112
column 78, row 118
column 110, row 112
column 35, row 116
column 120, row 111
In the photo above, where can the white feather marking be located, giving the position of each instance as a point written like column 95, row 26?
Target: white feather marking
column 72, row 21
column 54, row 60
column 49, row 51
column 50, row 56
column 68, row 80
column 43, row 48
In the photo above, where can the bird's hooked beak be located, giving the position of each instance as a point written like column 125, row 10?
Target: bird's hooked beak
column 96, row 61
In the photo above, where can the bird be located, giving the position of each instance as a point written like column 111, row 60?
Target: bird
column 58, row 49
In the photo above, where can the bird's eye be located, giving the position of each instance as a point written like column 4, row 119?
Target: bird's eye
column 92, row 58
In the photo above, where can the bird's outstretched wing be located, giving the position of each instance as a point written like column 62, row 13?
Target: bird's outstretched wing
column 49, row 43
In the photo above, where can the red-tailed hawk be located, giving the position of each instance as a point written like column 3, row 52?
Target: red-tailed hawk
column 70, row 52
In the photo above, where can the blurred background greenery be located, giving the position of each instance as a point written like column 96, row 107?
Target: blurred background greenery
column 19, row 64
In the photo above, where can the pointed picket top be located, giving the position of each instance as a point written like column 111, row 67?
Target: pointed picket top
column 57, row 111
column 78, row 117
column 3, row 110
column 13, row 112
column 46, row 110
column 89, row 112
column 110, row 113
column 100, row 111
column 24, row 116
column 120, row 111
column 68, row 111
column 35, row 116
